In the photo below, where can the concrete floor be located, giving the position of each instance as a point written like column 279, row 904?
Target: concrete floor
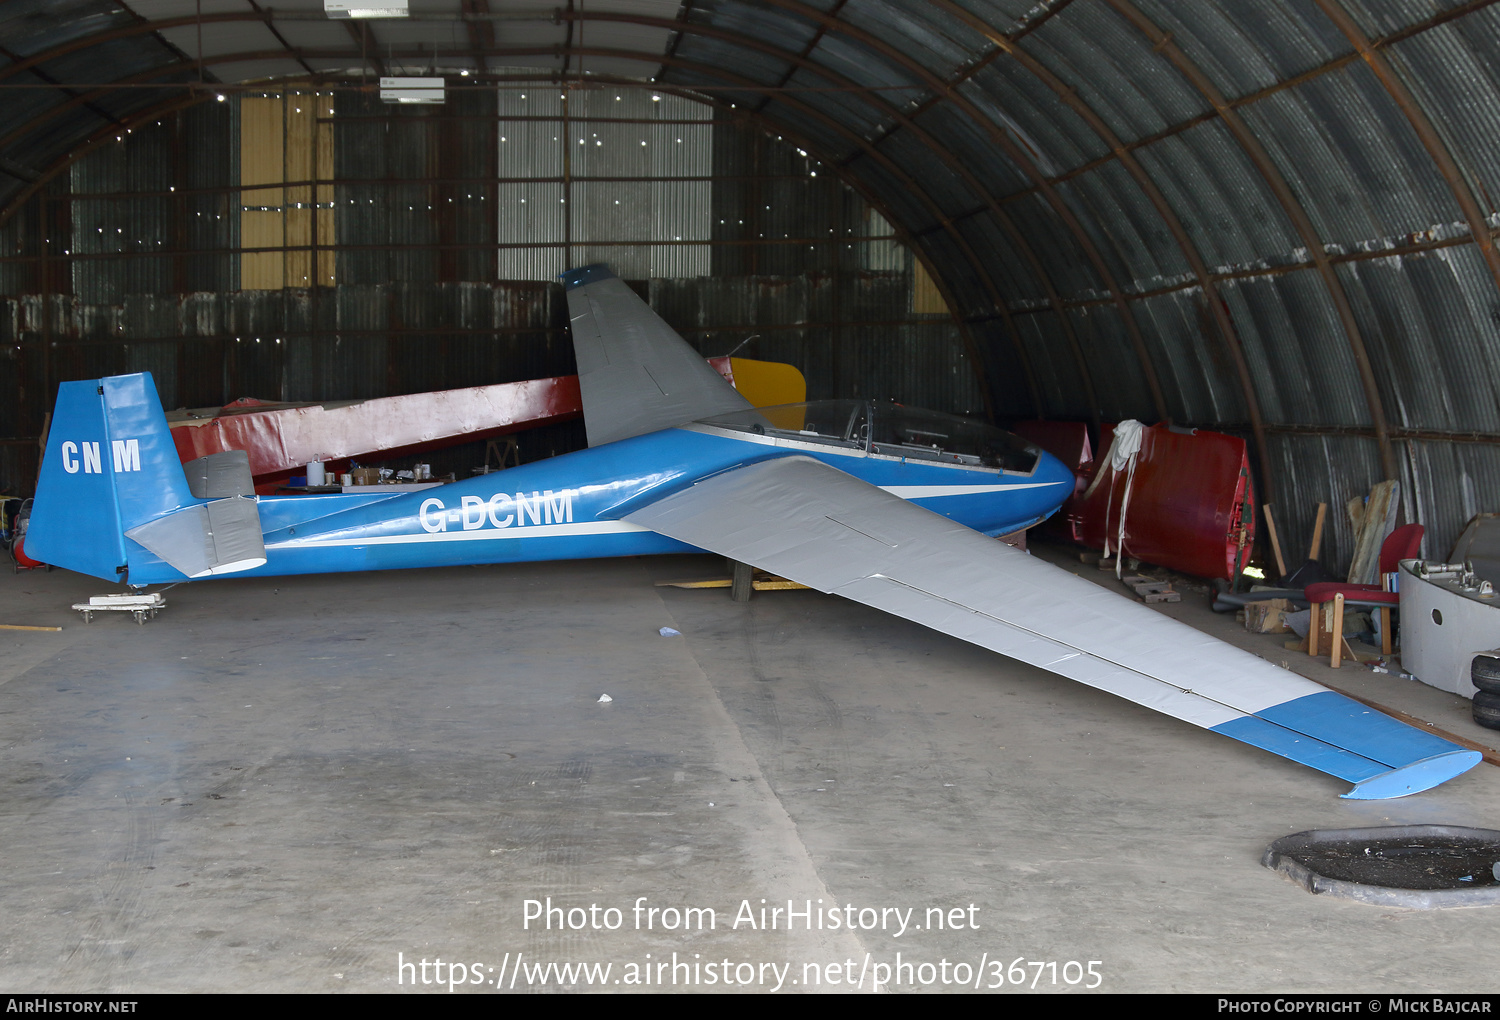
column 300, row 784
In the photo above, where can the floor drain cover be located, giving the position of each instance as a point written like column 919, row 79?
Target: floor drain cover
column 1421, row 866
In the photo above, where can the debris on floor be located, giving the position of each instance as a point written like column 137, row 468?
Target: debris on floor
column 762, row 582
column 1149, row 589
column 1266, row 617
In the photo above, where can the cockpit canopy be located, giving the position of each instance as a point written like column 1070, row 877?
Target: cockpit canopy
column 883, row 428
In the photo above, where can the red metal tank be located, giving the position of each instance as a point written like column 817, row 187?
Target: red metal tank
column 1191, row 493
column 23, row 562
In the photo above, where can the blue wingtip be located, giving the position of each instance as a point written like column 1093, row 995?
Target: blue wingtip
column 1416, row 777
column 585, row 275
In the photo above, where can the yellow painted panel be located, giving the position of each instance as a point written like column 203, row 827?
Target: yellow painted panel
column 261, row 270
column 282, row 140
column 324, row 226
column 260, row 142
column 926, row 299
column 298, row 233
column 262, row 158
column 301, row 125
column 768, row 383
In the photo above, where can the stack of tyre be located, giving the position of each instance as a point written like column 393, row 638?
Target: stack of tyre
column 1485, row 674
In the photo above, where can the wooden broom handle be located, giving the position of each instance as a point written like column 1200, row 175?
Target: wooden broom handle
column 1317, row 541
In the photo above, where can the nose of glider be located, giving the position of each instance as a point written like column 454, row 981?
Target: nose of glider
column 1057, row 481
column 1056, row 476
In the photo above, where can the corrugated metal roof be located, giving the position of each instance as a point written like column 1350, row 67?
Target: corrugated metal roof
column 842, row 79
column 1114, row 70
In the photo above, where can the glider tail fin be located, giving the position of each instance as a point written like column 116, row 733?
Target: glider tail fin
column 113, row 493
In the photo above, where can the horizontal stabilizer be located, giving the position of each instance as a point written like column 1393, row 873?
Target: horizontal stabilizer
column 221, row 537
column 220, row 475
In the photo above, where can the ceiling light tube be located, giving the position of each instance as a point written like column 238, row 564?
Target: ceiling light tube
column 411, row 90
column 366, row 8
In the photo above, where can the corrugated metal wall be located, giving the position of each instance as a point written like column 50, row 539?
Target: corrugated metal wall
column 1275, row 215
column 422, row 301
column 655, row 153
column 1235, row 197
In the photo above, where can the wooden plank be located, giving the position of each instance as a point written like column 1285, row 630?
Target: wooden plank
column 1275, row 543
column 763, row 582
column 300, row 116
column 1379, row 518
column 325, row 237
column 1355, row 508
column 1337, row 645
column 926, row 298
column 1151, row 590
column 282, row 139
column 261, row 146
column 262, row 161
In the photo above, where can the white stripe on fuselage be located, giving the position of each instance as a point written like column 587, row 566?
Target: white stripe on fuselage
column 611, row 527
column 479, row 535
column 936, row 491
column 828, row 447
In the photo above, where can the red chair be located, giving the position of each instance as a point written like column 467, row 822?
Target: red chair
column 1402, row 544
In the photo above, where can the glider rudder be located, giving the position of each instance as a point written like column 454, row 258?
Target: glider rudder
column 112, row 488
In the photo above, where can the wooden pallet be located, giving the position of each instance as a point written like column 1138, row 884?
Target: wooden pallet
column 1150, row 589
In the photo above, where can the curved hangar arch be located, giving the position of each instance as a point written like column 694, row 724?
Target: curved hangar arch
column 1266, row 216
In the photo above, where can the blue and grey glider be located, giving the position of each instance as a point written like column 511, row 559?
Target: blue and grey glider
column 886, row 505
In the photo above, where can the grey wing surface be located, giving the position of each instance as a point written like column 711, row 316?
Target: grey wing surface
column 636, row 375
column 826, row 529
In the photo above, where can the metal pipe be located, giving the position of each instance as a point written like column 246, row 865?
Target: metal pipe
column 441, row 246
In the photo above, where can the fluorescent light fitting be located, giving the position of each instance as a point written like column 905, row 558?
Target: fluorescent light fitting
column 411, row 90
column 365, row 8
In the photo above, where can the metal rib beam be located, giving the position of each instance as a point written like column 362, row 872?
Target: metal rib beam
column 481, row 33
column 1228, row 335
column 363, row 37
column 804, row 53
column 1015, row 152
column 1017, row 238
column 955, row 165
column 1162, row 43
column 1407, row 103
column 156, row 112
column 1251, row 98
column 270, row 25
column 875, row 99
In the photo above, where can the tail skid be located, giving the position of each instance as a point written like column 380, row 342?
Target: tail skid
column 112, row 491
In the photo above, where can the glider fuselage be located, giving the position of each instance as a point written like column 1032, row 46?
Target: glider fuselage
column 568, row 507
